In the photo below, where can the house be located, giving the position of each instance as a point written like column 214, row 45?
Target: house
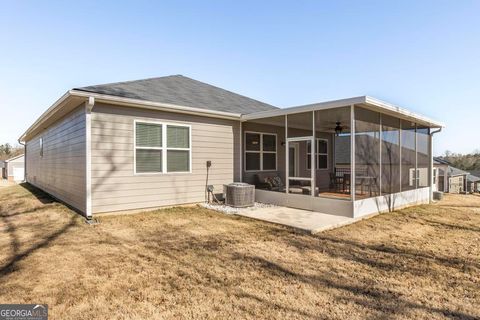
column 473, row 184
column 146, row 143
column 4, row 169
column 13, row 169
column 448, row 178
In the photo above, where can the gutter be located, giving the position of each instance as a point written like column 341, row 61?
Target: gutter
column 378, row 105
column 128, row 102
column 154, row 105
column 50, row 111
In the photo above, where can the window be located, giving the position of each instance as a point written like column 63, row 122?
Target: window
column 435, row 175
column 408, row 152
column 40, row 141
column 321, row 154
column 413, row 177
column 162, row 148
column 260, row 151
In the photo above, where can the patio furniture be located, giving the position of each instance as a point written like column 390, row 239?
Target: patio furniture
column 272, row 182
column 308, row 190
column 335, row 182
column 264, row 180
column 346, row 179
column 368, row 181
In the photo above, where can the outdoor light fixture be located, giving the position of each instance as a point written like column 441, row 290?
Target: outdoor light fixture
column 338, row 128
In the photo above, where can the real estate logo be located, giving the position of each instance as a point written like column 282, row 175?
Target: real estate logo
column 23, row 312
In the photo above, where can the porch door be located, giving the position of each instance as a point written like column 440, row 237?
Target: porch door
column 293, row 160
column 299, row 179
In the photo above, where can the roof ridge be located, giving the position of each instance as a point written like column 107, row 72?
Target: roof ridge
column 241, row 95
column 86, row 88
column 16, row 157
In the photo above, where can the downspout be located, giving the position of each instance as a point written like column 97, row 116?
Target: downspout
column 25, row 159
column 89, row 104
column 430, row 176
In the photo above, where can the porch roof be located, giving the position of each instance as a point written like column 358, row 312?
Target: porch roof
column 363, row 101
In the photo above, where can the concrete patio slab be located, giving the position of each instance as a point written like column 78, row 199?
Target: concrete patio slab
column 305, row 220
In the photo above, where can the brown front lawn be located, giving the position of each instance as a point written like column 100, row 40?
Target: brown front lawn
column 422, row 263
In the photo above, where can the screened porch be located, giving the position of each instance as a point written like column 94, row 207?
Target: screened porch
column 335, row 152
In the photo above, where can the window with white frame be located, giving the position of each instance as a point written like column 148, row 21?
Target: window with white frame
column 162, row 147
column 260, row 151
column 321, row 154
column 414, row 177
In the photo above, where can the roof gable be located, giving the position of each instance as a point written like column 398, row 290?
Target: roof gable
column 15, row 158
column 181, row 91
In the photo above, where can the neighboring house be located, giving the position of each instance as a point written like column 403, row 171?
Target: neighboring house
column 449, row 179
column 13, row 169
column 3, row 168
column 146, row 143
column 473, row 183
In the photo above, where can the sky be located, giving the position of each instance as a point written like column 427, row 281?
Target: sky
column 421, row 55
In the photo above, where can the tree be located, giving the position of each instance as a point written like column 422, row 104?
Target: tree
column 467, row 162
column 7, row 151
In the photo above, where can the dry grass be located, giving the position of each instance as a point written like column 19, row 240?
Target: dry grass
column 420, row 263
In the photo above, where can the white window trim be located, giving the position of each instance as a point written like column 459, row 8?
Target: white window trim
column 261, row 152
column 318, row 154
column 164, row 147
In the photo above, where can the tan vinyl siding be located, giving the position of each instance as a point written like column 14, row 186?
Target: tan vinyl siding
column 61, row 170
column 116, row 187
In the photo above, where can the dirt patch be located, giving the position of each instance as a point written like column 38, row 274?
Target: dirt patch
column 193, row 263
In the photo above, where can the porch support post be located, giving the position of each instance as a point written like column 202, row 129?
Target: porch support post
column 430, row 167
column 241, row 152
column 445, row 179
column 380, row 156
column 400, row 143
column 416, row 159
column 287, row 166
column 313, row 165
column 352, row 153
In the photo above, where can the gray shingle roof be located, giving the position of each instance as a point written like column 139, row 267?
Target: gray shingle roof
column 452, row 171
column 438, row 160
column 182, row 91
column 472, row 178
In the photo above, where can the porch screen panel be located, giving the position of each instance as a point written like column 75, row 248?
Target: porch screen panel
column 409, row 180
column 334, row 181
column 423, row 156
column 367, row 153
column 390, row 140
column 300, row 125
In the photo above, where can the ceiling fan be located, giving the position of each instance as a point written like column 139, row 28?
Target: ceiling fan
column 338, row 128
